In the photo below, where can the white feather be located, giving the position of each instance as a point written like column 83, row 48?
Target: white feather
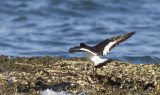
column 87, row 50
column 95, row 59
column 107, row 47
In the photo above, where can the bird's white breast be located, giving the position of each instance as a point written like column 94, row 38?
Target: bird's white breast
column 94, row 58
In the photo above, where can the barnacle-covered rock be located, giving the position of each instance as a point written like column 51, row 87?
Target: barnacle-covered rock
column 32, row 75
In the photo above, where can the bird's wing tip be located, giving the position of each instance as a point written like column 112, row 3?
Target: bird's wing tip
column 74, row 49
column 133, row 32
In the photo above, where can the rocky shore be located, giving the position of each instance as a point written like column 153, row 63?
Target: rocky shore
column 31, row 76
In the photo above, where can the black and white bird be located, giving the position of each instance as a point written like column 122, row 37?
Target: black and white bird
column 92, row 53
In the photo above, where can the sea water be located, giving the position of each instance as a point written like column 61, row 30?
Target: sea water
column 50, row 27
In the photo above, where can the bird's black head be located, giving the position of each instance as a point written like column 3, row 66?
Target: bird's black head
column 82, row 45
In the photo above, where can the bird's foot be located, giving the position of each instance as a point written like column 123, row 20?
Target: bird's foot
column 94, row 71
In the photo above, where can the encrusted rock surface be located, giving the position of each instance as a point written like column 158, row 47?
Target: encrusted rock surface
column 28, row 76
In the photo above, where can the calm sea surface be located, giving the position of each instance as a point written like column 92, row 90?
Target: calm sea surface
column 50, row 27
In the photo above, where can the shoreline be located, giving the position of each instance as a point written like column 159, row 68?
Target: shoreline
column 32, row 75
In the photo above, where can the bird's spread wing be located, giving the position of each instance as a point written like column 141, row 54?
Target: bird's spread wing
column 105, row 46
column 75, row 49
column 81, row 49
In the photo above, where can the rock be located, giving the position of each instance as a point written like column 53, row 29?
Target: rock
column 33, row 75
